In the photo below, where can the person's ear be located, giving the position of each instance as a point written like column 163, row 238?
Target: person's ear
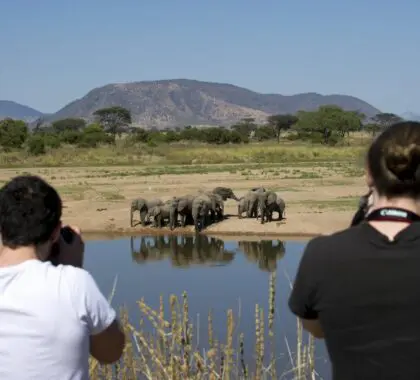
column 56, row 234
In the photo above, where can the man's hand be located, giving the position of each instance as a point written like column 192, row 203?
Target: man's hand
column 71, row 253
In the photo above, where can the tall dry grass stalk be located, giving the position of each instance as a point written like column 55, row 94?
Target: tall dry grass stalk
column 172, row 348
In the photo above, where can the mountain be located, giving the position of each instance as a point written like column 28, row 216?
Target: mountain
column 17, row 111
column 411, row 116
column 172, row 102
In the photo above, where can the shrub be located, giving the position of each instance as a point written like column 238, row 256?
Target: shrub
column 52, row 141
column 36, row 145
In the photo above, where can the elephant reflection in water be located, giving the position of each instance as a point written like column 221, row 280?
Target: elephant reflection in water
column 264, row 252
column 182, row 250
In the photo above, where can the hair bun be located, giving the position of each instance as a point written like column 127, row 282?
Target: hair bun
column 403, row 162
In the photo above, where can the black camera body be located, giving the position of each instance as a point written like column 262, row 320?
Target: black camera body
column 358, row 217
column 67, row 235
column 360, row 214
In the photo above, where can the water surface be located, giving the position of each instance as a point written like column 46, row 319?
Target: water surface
column 216, row 274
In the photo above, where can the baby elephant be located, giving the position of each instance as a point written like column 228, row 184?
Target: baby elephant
column 281, row 208
column 242, row 206
column 160, row 213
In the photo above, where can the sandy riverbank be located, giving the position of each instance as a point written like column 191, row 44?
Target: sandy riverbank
column 232, row 228
column 98, row 199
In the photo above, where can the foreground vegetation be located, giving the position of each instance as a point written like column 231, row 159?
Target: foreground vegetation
column 329, row 133
column 170, row 348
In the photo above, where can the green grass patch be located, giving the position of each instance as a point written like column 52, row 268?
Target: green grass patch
column 182, row 154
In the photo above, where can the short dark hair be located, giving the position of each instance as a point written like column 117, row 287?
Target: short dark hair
column 393, row 160
column 30, row 210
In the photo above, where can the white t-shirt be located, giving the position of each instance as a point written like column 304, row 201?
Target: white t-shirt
column 46, row 316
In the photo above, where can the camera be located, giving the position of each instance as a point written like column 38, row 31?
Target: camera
column 358, row 217
column 67, row 235
column 364, row 206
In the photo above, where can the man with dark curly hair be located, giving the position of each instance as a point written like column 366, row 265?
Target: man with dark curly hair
column 52, row 316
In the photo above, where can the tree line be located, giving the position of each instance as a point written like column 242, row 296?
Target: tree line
column 327, row 125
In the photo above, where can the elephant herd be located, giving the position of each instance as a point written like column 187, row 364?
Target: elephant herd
column 206, row 207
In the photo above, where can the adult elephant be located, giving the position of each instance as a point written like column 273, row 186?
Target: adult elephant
column 181, row 206
column 266, row 202
column 201, row 207
column 216, row 208
column 225, row 192
column 142, row 205
column 250, row 202
column 278, row 206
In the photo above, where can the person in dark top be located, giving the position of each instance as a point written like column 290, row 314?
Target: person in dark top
column 359, row 289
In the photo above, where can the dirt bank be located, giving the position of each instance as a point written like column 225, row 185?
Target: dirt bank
column 98, row 199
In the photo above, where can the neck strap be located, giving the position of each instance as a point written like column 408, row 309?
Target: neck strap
column 392, row 214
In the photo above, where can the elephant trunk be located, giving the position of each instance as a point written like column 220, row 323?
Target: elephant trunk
column 202, row 222
column 173, row 216
column 199, row 219
column 213, row 210
column 195, row 216
column 197, row 224
column 234, row 197
column 221, row 211
column 131, row 216
column 262, row 211
column 144, row 212
column 248, row 207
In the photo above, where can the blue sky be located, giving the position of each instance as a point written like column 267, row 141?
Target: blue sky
column 53, row 51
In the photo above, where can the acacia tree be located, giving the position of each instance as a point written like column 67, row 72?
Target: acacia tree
column 281, row 123
column 245, row 127
column 372, row 128
column 113, row 119
column 69, row 124
column 328, row 124
column 385, row 119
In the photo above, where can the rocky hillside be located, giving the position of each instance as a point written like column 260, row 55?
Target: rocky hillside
column 17, row 111
column 166, row 103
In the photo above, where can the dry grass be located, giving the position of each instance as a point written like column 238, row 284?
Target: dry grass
column 186, row 154
column 172, row 348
